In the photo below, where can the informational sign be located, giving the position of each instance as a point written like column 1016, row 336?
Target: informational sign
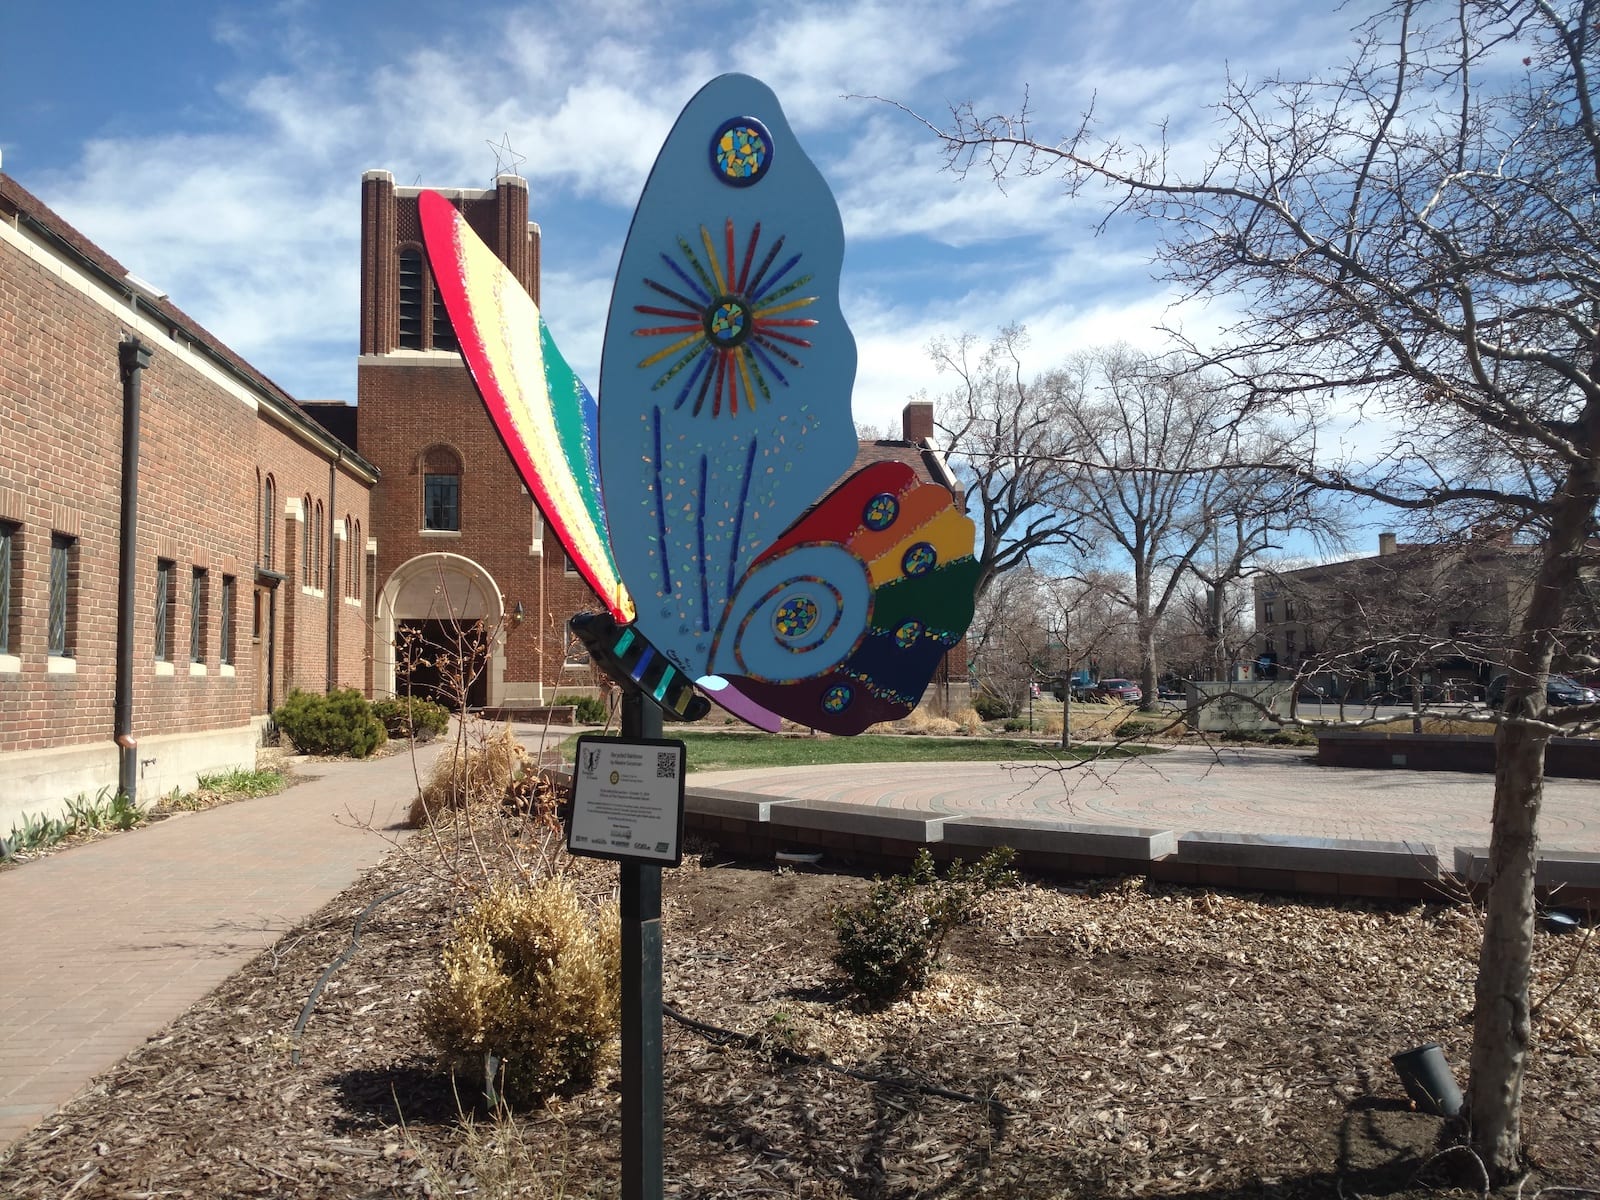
column 627, row 800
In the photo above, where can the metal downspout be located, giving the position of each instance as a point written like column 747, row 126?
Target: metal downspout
column 334, row 602
column 133, row 356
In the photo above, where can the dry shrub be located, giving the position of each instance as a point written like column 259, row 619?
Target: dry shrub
column 468, row 775
column 527, row 978
column 921, row 720
column 969, row 720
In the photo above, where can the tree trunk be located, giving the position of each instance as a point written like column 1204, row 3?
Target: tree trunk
column 1500, row 1027
column 1501, row 1023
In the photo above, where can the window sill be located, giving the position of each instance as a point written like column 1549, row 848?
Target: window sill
column 10, row 664
column 163, row 667
column 439, row 533
column 352, row 602
column 226, row 670
column 311, row 591
column 583, row 666
column 197, row 670
column 60, row 664
column 536, row 550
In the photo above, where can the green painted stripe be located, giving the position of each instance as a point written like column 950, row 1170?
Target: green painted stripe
column 941, row 599
column 572, row 434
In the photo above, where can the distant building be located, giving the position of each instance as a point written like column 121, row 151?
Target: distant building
column 1439, row 616
column 247, row 572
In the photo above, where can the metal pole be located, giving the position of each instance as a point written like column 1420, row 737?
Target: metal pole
column 1066, row 695
column 642, row 1104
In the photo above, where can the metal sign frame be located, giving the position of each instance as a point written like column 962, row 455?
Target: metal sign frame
column 620, row 774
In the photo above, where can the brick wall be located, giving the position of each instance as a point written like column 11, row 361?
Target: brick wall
column 205, row 445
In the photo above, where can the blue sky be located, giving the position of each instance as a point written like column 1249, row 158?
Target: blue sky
column 217, row 149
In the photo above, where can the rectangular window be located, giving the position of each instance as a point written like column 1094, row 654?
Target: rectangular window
column 441, row 502
column 1266, row 613
column 568, row 568
column 1288, row 610
column 225, row 621
column 165, row 570
column 411, row 283
column 8, row 545
column 1288, row 645
column 197, row 616
column 62, row 554
column 444, row 333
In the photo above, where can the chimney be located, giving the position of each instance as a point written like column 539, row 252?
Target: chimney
column 1386, row 544
column 916, row 422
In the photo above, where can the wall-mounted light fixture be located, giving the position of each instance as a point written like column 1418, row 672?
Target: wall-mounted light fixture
column 518, row 613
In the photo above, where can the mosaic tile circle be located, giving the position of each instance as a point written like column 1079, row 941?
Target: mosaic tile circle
column 881, row 511
column 920, row 559
column 837, row 698
column 741, row 151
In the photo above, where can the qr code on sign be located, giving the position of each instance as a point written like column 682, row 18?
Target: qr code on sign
column 666, row 764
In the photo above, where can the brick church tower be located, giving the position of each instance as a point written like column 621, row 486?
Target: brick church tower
column 464, row 559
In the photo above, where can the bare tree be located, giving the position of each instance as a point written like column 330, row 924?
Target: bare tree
column 1169, row 473
column 1008, row 445
column 1417, row 231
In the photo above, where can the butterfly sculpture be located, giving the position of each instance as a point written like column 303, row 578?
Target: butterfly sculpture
column 695, row 498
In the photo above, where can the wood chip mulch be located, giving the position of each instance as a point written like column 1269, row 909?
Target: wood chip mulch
column 1110, row 1039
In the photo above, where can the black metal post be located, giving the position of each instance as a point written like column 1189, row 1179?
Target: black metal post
column 133, row 356
column 642, row 1104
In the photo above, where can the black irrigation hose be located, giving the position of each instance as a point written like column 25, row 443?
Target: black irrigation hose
column 355, row 941
column 752, row 1042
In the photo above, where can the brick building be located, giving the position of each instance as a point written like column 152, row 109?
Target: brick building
column 1439, row 616
column 464, row 555
column 248, row 571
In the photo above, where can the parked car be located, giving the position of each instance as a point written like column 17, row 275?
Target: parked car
column 1121, row 691
column 1560, row 691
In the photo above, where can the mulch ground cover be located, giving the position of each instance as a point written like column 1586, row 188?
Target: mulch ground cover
column 1099, row 1039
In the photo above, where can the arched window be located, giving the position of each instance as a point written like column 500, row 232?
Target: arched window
column 319, row 566
column 358, row 563
column 413, row 293
column 349, row 557
column 305, row 541
column 441, row 488
column 269, row 520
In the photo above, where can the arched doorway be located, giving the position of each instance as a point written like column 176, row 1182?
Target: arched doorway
column 440, row 632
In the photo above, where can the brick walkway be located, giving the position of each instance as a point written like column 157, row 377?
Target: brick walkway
column 107, row 943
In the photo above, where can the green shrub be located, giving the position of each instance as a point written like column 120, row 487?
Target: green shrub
column 990, row 707
column 527, row 979
column 591, row 709
column 339, row 723
column 1014, row 725
column 889, row 943
column 412, row 717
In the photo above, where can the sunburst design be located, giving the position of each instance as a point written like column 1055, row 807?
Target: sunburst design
column 731, row 338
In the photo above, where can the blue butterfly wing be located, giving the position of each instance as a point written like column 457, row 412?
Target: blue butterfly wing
column 727, row 369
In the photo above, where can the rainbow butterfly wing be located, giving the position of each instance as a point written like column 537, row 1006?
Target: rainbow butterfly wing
column 726, row 410
column 541, row 409
column 727, row 368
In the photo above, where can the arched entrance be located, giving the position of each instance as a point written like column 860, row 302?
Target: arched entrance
column 437, row 611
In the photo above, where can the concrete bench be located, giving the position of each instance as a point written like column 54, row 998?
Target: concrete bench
column 1567, row 869
column 1045, row 835
column 1284, row 852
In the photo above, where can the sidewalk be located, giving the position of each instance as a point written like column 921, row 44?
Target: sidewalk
column 106, row 943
